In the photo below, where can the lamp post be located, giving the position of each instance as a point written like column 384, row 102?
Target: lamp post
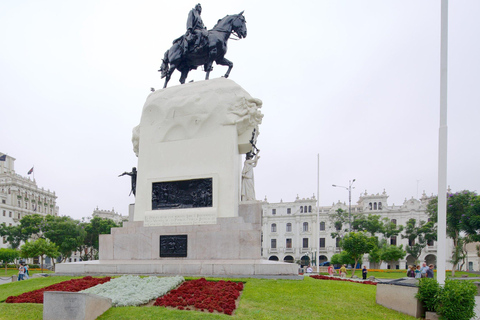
column 349, row 188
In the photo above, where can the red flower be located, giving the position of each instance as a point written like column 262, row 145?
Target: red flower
column 73, row 285
column 203, row 295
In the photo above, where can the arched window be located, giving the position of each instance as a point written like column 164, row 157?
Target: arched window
column 370, row 206
column 305, row 209
column 309, row 208
column 305, row 227
column 289, row 227
column 374, row 206
column 301, row 209
column 274, row 227
column 379, row 206
column 322, row 226
column 394, row 221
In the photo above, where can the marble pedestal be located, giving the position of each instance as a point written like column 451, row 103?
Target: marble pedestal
column 188, row 218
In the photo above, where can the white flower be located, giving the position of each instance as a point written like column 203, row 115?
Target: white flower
column 133, row 290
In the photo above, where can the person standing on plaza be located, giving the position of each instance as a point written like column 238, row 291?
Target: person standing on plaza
column 343, row 271
column 21, row 272
column 27, row 274
column 430, row 271
column 418, row 273
column 424, row 270
column 330, row 270
column 364, row 273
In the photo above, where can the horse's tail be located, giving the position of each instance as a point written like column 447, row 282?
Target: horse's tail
column 165, row 65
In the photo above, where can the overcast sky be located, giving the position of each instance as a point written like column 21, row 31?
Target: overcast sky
column 356, row 82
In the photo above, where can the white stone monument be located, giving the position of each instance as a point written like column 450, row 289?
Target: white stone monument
column 189, row 218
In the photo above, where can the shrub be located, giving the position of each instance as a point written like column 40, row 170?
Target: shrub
column 428, row 290
column 456, row 300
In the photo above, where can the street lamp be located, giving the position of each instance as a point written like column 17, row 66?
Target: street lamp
column 349, row 188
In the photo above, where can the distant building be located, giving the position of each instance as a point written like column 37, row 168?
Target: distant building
column 20, row 196
column 112, row 215
column 292, row 233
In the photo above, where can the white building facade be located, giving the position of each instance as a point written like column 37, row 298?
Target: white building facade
column 20, row 196
column 295, row 232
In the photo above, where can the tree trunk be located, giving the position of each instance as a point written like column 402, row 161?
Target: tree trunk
column 354, row 269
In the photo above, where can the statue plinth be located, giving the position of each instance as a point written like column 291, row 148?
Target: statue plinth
column 190, row 133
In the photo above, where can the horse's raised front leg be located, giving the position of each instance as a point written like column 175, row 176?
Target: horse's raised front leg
column 225, row 62
column 169, row 74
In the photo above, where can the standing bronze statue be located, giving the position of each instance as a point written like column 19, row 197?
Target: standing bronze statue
column 133, row 175
column 201, row 47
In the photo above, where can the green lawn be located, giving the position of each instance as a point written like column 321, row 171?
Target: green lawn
column 11, row 272
column 261, row 299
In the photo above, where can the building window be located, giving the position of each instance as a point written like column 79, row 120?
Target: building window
column 379, row 206
column 274, row 211
column 301, row 209
column 394, row 221
column 289, row 227
column 430, row 243
column 305, row 243
column 3, row 201
column 4, row 239
column 393, row 240
column 305, row 227
column 4, row 213
column 289, row 210
column 337, row 242
column 305, row 209
column 374, row 206
column 309, row 208
column 274, row 227
column 322, row 242
column 322, row 226
column 273, row 243
column 289, row 243
column 10, row 214
column 370, row 206
column 411, row 242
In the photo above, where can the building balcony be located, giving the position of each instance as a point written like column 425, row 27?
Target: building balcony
column 324, row 249
column 304, row 250
column 289, row 250
column 272, row 250
column 432, row 248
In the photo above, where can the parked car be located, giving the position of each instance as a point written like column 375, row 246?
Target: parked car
column 324, row 264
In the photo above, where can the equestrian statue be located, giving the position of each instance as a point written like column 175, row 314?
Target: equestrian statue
column 199, row 46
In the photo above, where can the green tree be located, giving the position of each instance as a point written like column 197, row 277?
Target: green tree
column 356, row 244
column 390, row 228
column 470, row 222
column 418, row 236
column 369, row 223
column 40, row 247
column 8, row 255
column 13, row 234
column 392, row 253
column 342, row 258
column 94, row 228
column 458, row 208
column 68, row 234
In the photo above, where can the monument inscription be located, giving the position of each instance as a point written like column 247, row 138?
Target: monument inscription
column 195, row 193
column 173, row 246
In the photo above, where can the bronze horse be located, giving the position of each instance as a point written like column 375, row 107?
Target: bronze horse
column 213, row 50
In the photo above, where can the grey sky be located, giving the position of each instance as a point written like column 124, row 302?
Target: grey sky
column 354, row 81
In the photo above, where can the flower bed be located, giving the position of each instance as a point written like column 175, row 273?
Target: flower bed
column 73, row 285
column 135, row 291
column 203, row 295
column 320, row 277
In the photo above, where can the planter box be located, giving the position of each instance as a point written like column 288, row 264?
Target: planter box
column 400, row 298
